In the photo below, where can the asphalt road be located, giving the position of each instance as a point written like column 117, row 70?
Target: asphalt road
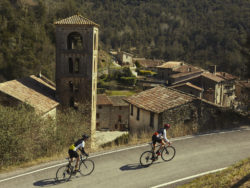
column 121, row 168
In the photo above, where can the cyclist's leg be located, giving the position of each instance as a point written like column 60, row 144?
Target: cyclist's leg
column 71, row 156
column 154, row 139
column 77, row 160
column 159, row 140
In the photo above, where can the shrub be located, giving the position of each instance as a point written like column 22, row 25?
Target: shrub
column 25, row 136
column 146, row 73
column 129, row 81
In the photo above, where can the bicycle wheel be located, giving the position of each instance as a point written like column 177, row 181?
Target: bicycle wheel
column 168, row 153
column 146, row 158
column 63, row 174
column 86, row 167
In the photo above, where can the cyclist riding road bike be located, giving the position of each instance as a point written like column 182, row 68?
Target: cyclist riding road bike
column 160, row 136
column 78, row 145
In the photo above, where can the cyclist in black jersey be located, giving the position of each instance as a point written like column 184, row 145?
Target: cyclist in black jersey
column 160, row 136
column 78, row 145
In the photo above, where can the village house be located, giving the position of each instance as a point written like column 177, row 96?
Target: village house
column 151, row 109
column 125, row 59
column 148, row 109
column 175, row 72
column 148, row 64
column 242, row 92
column 219, row 87
column 37, row 92
column 112, row 113
column 190, row 88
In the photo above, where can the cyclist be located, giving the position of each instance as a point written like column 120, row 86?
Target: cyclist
column 78, row 145
column 160, row 136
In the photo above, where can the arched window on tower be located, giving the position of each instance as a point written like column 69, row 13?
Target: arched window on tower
column 75, row 41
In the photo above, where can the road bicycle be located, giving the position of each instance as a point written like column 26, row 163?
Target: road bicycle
column 167, row 153
column 86, row 167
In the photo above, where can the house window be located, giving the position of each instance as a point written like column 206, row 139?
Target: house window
column 76, row 88
column 76, row 65
column 100, row 106
column 138, row 114
column 71, row 86
column 119, row 118
column 70, row 65
column 71, row 102
column 151, row 120
column 97, row 125
column 97, row 116
column 120, row 108
column 132, row 108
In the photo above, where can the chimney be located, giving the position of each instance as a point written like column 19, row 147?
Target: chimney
column 213, row 69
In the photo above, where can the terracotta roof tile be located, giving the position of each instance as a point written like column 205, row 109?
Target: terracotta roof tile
column 149, row 62
column 225, row 76
column 178, row 75
column 212, row 77
column 103, row 99
column 33, row 91
column 170, row 64
column 76, row 20
column 118, row 100
column 188, row 84
column 187, row 68
column 159, row 99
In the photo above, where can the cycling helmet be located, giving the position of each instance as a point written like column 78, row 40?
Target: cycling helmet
column 167, row 125
column 85, row 136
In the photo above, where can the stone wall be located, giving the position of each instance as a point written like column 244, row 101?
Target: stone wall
column 198, row 116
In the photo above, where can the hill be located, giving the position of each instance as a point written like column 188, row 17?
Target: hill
column 198, row 32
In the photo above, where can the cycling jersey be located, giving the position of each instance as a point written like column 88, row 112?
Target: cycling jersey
column 78, row 144
column 162, row 133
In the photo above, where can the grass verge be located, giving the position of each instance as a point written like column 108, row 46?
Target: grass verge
column 235, row 176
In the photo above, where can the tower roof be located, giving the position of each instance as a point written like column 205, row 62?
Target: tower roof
column 76, row 20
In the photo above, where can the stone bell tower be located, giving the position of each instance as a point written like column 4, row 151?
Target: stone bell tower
column 76, row 64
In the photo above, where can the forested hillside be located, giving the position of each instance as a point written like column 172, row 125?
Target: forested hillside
column 198, row 32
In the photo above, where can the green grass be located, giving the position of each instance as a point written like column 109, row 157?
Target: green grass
column 235, row 176
column 120, row 92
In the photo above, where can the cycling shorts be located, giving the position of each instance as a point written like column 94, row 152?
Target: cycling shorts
column 156, row 139
column 73, row 153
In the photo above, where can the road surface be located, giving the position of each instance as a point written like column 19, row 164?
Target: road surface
column 194, row 155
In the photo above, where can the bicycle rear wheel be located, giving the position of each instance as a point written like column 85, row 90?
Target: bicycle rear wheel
column 64, row 173
column 146, row 158
column 86, row 167
column 168, row 153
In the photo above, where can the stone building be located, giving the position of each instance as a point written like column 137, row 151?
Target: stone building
column 76, row 64
column 242, row 92
column 151, row 109
column 112, row 113
column 147, row 108
column 190, row 88
column 219, row 87
column 125, row 59
column 37, row 92
column 175, row 72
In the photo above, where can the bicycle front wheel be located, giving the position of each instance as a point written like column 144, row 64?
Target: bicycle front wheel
column 168, row 153
column 86, row 167
column 63, row 174
column 146, row 158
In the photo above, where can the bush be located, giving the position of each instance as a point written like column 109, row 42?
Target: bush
column 129, row 81
column 146, row 73
column 25, row 136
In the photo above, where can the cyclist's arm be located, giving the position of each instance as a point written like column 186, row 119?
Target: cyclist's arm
column 83, row 151
column 165, row 137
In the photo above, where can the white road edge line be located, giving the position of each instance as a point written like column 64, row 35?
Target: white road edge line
column 115, row 151
column 189, row 177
